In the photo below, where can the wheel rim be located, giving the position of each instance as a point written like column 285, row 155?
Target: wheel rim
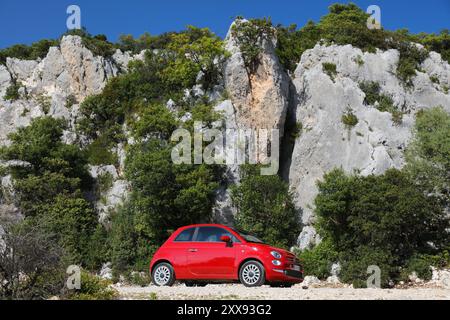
column 251, row 274
column 162, row 275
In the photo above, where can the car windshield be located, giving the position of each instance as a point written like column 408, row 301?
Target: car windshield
column 248, row 237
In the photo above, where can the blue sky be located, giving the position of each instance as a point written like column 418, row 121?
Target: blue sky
column 25, row 21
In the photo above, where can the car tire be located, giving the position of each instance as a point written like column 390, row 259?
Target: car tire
column 252, row 274
column 163, row 275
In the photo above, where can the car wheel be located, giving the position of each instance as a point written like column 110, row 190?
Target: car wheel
column 195, row 284
column 252, row 274
column 163, row 275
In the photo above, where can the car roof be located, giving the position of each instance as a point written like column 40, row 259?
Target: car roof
column 204, row 225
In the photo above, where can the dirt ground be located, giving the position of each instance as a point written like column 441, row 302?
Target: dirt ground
column 298, row 292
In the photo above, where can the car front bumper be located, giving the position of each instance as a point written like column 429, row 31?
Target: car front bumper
column 285, row 275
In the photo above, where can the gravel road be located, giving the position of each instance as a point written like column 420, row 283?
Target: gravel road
column 239, row 292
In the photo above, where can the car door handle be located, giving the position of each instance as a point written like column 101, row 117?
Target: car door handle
column 193, row 250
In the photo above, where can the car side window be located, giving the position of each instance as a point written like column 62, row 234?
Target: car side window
column 185, row 236
column 213, row 234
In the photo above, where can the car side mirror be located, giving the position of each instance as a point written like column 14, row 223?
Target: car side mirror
column 226, row 239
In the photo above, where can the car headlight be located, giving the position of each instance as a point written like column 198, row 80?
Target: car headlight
column 276, row 262
column 276, row 254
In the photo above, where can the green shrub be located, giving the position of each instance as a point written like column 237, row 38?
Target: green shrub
column 141, row 279
column 70, row 101
column 421, row 265
column 250, row 36
column 93, row 288
column 265, row 207
column 45, row 102
column 12, row 92
column 378, row 220
column 355, row 265
column 349, row 119
column 372, row 90
column 329, row 69
column 35, row 51
column 99, row 152
column 318, row 260
column 428, row 155
column 411, row 57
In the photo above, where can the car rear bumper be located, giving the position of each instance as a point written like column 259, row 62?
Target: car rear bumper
column 285, row 275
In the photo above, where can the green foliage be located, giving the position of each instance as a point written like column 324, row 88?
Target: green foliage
column 329, row 69
column 70, row 101
column 250, row 36
column 378, row 220
column 45, row 102
column 34, row 51
column 428, row 155
column 98, row 45
column 437, row 42
column 12, row 92
column 372, row 90
column 411, row 57
column 265, row 207
column 93, row 288
column 50, row 183
column 292, row 43
column 318, row 260
column 347, row 24
column 349, row 119
column 355, row 264
column 99, row 151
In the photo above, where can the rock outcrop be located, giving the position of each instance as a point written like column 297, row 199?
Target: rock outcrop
column 258, row 94
column 376, row 143
column 55, row 86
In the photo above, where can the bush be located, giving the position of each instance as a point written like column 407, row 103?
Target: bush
column 30, row 263
column 355, row 266
column 35, row 51
column 329, row 69
column 421, row 265
column 411, row 57
column 93, row 288
column 372, row 90
column 265, row 207
column 12, row 92
column 383, row 220
column 349, row 119
column 250, row 36
column 428, row 155
column 318, row 260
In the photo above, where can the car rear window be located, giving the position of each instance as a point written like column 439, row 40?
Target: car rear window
column 185, row 236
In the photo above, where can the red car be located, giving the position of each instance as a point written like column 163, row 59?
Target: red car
column 199, row 254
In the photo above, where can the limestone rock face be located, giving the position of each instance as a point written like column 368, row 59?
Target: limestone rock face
column 260, row 98
column 55, row 86
column 376, row 143
column 68, row 71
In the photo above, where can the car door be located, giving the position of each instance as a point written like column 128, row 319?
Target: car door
column 210, row 258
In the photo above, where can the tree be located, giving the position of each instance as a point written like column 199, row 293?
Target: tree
column 428, row 156
column 30, row 264
column 265, row 207
column 50, row 180
column 383, row 219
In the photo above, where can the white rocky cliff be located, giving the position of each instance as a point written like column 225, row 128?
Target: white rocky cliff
column 55, row 86
column 376, row 143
